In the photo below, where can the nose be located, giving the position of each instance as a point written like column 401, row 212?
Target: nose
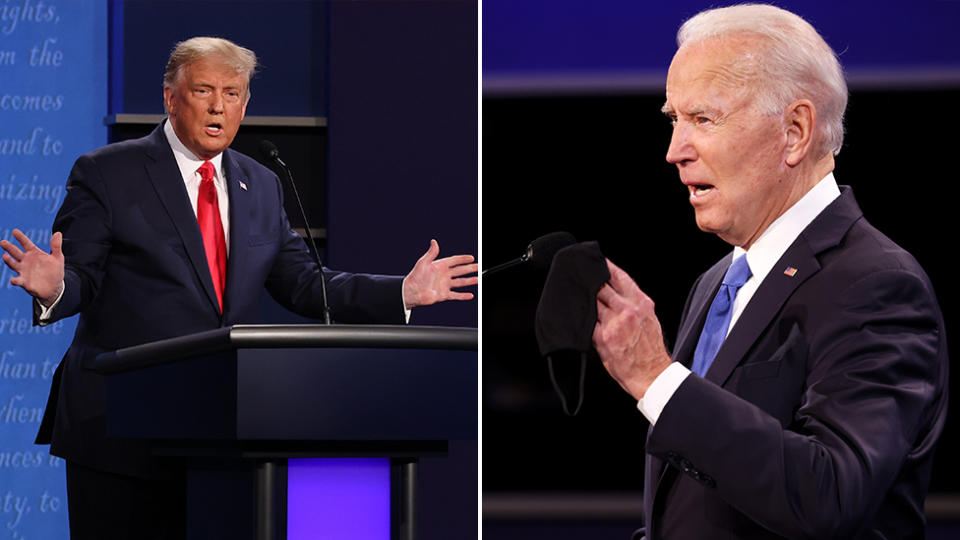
column 681, row 149
column 216, row 102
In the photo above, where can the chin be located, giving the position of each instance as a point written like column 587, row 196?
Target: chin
column 712, row 221
column 212, row 152
column 706, row 226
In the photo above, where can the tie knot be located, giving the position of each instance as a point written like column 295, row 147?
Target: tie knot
column 206, row 171
column 738, row 273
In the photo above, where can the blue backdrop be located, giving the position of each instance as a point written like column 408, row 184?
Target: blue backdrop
column 616, row 43
column 53, row 77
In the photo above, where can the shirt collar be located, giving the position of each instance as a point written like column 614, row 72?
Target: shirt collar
column 187, row 161
column 774, row 241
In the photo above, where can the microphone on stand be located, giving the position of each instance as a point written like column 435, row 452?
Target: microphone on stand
column 270, row 152
column 540, row 252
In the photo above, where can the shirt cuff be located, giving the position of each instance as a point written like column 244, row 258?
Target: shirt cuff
column 406, row 312
column 661, row 390
column 47, row 312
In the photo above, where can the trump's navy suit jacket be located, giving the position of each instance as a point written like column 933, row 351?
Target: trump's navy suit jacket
column 819, row 416
column 136, row 272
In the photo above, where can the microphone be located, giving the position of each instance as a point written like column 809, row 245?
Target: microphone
column 540, row 252
column 271, row 153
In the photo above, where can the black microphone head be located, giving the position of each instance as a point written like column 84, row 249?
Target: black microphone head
column 540, row 252
column 269, row 150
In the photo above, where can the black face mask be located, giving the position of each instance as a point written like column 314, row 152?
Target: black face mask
column 567, row 312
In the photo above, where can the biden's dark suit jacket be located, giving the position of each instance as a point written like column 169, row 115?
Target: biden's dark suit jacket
column 136, row 272
column 819, row 416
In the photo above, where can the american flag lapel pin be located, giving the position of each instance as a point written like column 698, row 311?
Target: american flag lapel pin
column 790, row 271
column 242, row 185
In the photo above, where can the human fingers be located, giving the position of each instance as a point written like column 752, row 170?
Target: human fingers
column 432, row 251
column 18, row 281
column 13, row 263
column 56, row 244
column 601, row 330
column 24, row 240
column 596, row 330
column 604, row 312
column 625, row 285
column 458, row 271
column 606, row 295
column 463, row 282
column 455, row 261
column 428, row 256
column 13, row 250
column 620, row 280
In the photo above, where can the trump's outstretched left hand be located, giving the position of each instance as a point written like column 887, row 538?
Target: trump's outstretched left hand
column 432, row 280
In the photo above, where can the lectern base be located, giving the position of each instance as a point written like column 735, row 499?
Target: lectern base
column 298, row 499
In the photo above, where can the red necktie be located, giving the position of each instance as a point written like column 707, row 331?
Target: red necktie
column 208, row 215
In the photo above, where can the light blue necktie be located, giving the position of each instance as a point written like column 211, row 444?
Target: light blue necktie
column 718, row 318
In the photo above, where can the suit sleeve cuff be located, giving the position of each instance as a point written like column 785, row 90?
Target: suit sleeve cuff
column 661, row 390
column 44, row 314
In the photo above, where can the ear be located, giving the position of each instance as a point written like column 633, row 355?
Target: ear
column 168, row 99
column 801, row 119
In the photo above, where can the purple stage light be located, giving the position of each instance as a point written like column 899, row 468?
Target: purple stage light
column 338, row 498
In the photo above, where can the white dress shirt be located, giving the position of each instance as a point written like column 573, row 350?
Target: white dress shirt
column 761, row 257
column 188, row 163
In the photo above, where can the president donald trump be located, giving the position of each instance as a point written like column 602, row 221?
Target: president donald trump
column 808, row 385
column 168, row 235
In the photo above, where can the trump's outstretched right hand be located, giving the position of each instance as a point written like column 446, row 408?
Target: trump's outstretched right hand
column 38, row 272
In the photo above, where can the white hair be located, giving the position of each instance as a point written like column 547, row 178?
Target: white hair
column 796, row 62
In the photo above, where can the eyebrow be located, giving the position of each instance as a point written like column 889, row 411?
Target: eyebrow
column 213, row 85
column 696, row 111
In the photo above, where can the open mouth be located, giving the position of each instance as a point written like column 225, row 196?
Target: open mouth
column 699, row 190
column 213, row 129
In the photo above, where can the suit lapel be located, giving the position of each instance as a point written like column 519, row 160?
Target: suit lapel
column 165, row 176
column 824, row 232
column 239, row 226
column 762, row 308
column 689, row 332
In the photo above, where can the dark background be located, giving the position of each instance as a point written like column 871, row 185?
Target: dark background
column 574, row 140
column 594, row 166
